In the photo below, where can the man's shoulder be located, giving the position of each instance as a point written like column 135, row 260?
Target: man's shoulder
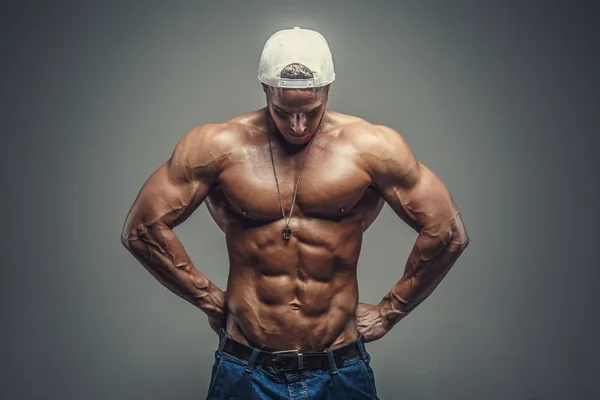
column 380, row 148
column 215, row 134
column 369, row 137
column 220, row 137
column 207, row 145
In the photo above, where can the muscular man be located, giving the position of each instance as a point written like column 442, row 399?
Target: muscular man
column 294, row 186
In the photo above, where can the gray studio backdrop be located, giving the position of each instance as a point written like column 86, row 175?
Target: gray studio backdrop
column 500, row 100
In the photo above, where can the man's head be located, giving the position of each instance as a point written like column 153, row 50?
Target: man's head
column 296, row 69
column 296, row 112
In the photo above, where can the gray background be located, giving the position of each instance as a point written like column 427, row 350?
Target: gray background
column 500, row 100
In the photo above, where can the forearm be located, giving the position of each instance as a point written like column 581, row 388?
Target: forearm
column 159, row 250
column 433, row 255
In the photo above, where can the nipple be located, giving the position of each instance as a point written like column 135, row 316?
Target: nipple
column 342, row 209
column 244, row 211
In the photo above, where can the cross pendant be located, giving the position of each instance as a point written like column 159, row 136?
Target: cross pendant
column 287, row 232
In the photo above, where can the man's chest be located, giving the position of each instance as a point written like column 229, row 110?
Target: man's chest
column 330, row 185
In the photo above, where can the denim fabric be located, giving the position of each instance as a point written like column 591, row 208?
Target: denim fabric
column 236, row 379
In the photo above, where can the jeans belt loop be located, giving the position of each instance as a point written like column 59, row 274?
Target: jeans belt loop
column 252, row 360
column 331, row 359
column 223, row 339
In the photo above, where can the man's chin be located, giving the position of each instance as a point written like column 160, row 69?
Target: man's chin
column 297, row 139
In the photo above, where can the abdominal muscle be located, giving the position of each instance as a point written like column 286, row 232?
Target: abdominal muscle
column 297, row 294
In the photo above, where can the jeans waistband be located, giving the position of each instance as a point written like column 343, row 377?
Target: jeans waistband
column 292, row 360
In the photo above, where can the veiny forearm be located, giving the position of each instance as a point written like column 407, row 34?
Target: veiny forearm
column 433, row 255
column 159, row 250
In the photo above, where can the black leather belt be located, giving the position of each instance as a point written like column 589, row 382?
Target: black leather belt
column 293, row 360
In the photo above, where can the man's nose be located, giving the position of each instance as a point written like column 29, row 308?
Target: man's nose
column 298, row 122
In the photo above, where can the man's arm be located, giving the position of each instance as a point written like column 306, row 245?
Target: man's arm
column 420, row 199
column 166, row 200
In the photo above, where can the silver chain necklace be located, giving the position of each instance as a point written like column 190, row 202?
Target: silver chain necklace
column 287, row 232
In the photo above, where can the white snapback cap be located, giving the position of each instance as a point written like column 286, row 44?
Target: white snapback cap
column 302, row 46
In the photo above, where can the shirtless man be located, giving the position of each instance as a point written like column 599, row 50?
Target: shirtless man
column 294, row 186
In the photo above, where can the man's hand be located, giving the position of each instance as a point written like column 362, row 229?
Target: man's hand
column 218, row 319
column 370, row 322
column 217, row 323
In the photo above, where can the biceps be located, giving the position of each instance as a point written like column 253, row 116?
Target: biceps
column 165, row 199
column 424, row 205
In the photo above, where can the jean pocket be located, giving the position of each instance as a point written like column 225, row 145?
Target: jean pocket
column 370, row 377
column 214, row 375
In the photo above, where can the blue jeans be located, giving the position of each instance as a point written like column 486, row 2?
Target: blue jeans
column 235, row 379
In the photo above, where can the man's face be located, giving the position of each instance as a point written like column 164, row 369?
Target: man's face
column 296, row 112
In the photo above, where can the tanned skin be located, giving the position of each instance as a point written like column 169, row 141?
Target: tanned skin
column 300, row 293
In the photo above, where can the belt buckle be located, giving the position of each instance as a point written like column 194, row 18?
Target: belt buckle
column 281, row 356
